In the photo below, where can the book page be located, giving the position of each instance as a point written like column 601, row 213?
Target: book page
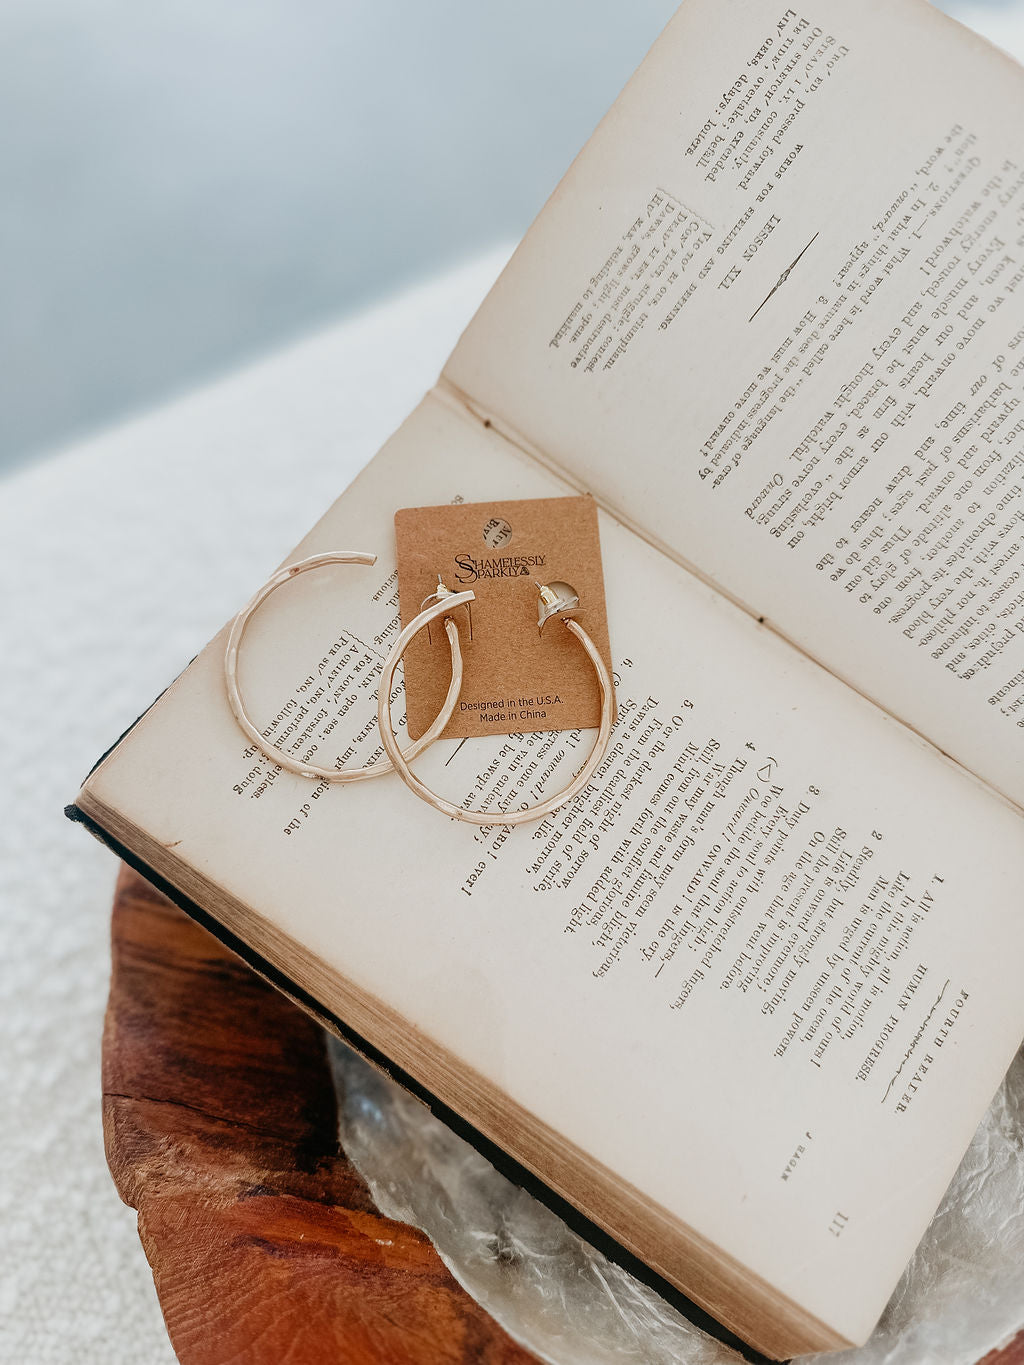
column 765, row 968
column 774, row 315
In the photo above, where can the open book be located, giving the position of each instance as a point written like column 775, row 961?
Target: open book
column 744, row 1002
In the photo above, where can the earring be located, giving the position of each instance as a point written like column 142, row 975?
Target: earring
column 556, row 599
column 277, row 755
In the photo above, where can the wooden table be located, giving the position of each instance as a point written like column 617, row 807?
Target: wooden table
column 220, row 1120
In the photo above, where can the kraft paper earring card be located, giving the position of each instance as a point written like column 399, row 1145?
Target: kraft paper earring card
column 517, row 678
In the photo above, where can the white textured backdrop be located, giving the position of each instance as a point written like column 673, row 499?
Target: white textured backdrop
column 118, row 561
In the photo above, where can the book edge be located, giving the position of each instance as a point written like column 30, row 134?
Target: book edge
column 796, row 1330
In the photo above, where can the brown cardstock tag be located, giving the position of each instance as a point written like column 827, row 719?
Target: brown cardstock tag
column 516, row 679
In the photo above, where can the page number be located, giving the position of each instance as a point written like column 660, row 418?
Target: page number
column 838, row 1224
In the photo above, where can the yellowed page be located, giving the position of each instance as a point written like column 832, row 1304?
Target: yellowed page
column 767, row 966
column 774, row 315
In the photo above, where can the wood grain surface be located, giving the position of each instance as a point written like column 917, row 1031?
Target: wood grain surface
column 1011, row 1354
column 220, row 1121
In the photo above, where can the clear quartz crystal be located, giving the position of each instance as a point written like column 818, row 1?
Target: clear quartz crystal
column 961, row 1295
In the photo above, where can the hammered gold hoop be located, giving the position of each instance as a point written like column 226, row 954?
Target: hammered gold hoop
column 553, row 602
column 278, row 756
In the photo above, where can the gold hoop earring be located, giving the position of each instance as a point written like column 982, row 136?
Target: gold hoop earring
column 278, row 756
column 556, row 599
